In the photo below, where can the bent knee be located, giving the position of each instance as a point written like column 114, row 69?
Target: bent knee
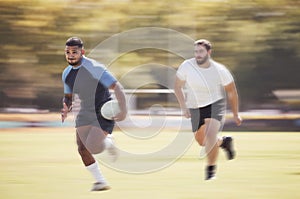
column 200, row 141
column 96, row 149
column 200, row 138
column 82, row 150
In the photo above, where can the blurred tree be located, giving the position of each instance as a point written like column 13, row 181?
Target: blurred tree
column 257, row 39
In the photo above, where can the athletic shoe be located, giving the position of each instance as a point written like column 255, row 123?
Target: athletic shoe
column 227, row 145
column 210, row 172
column 111, row 148
column 100, row 186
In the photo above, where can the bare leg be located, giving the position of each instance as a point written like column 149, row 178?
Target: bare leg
column 211, row 143
column 207, row 135
column 86, row 156
column 92, row 138
column 95, row 140
column 88, row 159
column 200, row 135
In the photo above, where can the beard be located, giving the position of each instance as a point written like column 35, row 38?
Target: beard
column 203, row 60
column 72, row 63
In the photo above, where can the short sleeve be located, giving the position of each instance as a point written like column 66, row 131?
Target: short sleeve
column 67, row 89
column 181, row 72
column 99, row 72
column 107, row 79
column 226, row 77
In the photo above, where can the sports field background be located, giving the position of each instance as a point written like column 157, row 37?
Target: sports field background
column 42, row 163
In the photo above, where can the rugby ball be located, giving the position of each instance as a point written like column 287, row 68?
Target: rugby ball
column 110, row 109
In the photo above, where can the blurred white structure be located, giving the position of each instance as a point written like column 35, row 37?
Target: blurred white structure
column 288, row 96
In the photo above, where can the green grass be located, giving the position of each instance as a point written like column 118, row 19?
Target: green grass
column 37, row 163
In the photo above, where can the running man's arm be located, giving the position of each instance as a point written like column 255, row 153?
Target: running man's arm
column 67, row 100
column 180, row 96
column 67, row 106
column 118, row 90
column 233, row 99
column 110, row 82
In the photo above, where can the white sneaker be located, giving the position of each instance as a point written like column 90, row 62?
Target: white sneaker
column 100, row 186
column 111, row 148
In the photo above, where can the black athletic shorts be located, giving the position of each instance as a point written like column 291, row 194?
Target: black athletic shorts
column 89, row 116
column 215, row 110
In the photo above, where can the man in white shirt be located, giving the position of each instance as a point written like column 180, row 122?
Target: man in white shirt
column 201, row 87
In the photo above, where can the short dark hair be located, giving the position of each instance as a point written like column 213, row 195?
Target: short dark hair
column 74, row 41
column 203, row 42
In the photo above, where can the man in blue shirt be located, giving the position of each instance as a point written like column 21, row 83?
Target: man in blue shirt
column 86, row 89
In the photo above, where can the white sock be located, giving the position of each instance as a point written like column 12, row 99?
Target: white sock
column 96, row 173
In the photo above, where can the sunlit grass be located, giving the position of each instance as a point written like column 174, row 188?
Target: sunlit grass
column 43, row 163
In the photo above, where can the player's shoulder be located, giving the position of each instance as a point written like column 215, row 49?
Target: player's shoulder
column 67, row 69
column 218, row 65
column 188, row 63
column 88, row 62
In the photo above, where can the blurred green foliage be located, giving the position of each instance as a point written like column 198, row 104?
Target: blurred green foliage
column 257, row 39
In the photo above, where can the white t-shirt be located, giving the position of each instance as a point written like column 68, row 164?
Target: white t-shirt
column 203, row 86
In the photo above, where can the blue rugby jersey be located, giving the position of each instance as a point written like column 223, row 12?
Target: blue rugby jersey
column 90, row 81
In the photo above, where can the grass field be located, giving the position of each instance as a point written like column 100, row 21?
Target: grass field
column 42, row 163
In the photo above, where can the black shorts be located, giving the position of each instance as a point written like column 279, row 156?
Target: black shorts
column 215, row 110
column 94, row 118
column 106, row 125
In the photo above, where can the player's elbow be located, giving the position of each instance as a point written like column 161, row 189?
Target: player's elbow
column 116, row 86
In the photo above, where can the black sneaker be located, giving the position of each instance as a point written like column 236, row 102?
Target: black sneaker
column 210, row 172
column 227, row 145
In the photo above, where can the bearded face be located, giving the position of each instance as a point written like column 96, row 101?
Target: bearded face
column 73, row 55
column 201, row 54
